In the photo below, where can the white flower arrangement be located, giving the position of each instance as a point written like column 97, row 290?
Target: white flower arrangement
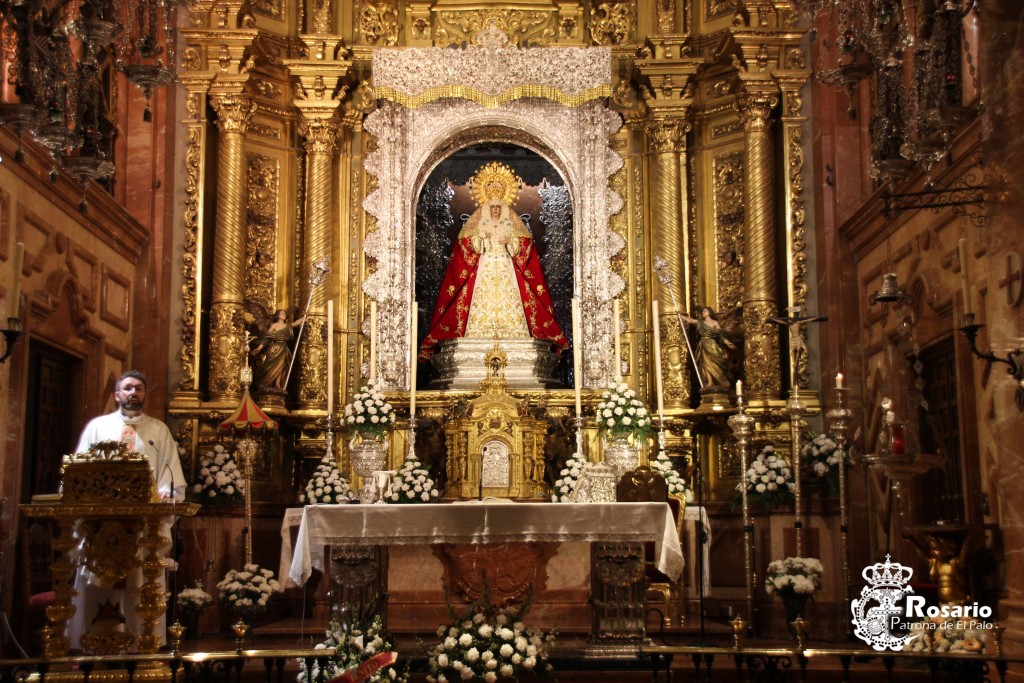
column 822, row 456
column 194, row 599
column 413, row 484
column 327, row 485
column 569, row 478
column 621, row 414
column 352, row 647
column 248, row 591
column 677, row 486
column 769, row 479
column 369, row 415
column 218, row 480
column 487, row 644
column 943, row 634
column 794, row 576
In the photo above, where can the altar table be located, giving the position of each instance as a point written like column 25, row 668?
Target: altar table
column 475, row 522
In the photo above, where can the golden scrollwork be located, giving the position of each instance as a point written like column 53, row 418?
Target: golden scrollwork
column 537, row 27
column 190, row 258
column 226, row 349
column 611, row 23
column 313, row 373
column 666, row 16
column 798, row 246
column 111, row 549
column 322, row 11
column 729, row 217
column 268, row 8
column 261, row 244
column 761, row 345
column 378, row 23
column 108, row 481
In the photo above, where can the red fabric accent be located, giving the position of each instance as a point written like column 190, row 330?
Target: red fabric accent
column 367, row 668
column 41, row 600
column 248, row 416
column 451, row 313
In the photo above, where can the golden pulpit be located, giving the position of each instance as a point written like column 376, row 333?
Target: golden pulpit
column 109, row 507
column 496, row 448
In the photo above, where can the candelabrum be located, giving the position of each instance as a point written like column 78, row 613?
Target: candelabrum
column 742, row 426
column 1014, row 359
column 796, row 413
column 839, row 418
column 11, row 335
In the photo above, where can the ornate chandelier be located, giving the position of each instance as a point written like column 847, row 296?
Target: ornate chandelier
column 912, row 53
column 61, row 57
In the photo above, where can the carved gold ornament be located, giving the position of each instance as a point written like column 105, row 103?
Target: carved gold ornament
column 495, row 181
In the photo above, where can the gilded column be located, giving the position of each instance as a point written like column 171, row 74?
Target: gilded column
column 761, row 365
column 667, row 141
column 227, row 346
column 792, row 120
column 321, row 141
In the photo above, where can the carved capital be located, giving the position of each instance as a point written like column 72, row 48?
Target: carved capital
column 226, row 349
column 755, row 110
column 321, row 135
column 667, row 135
column 234, row 112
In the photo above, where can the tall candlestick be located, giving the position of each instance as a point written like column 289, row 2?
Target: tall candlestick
column 657, row 360
column 330, row 356
column 373, row 341
column 412, row 360
column 965, row 278
column 577, row 357
column 839, row 380
column 617, row 368
column 19, row 261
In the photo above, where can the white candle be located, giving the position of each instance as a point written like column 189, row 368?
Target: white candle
column 373, row 341
column 577, row 357
column 412, row 360
column 330, row 357
column 617, row 368
column 19, row 261
column 965, row 278
column 657, row 361
column 739, row 388
column 839, row 380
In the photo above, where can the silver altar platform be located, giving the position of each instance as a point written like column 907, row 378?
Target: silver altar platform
column 460, row 362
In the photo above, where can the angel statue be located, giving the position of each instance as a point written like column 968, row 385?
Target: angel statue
column 272, row 352
column 493, row 286
column 713, row 347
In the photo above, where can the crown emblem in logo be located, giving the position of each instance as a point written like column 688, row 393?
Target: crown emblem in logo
column 889, row 574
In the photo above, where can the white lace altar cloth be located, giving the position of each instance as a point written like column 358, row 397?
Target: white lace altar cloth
column 322, row 525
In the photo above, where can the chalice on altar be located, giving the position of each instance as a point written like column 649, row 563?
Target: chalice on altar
column 381, row 485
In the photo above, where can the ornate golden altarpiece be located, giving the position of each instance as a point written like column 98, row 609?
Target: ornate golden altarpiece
column 309, row 131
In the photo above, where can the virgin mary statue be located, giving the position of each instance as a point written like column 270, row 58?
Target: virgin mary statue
column 494, row 287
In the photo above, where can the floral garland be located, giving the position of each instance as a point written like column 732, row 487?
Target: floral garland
column 621, row 414
column 677, row 486
column 327, row 485
column 352, row 647
column 794, row 576
column 369, row 415
column 486, row 643
column 413, row 484
column 248, row 591
column 569, row 478
column 219, row 481
column 194, row 599
column 769, row 480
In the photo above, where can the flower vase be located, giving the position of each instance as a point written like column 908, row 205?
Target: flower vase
column 795, row 605
column 621, row 455
column 368, row 456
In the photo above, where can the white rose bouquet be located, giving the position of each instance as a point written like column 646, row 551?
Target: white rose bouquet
column 823, row 455
column 369, row 415
column 352, row 647
column 218, row 480
column 247, row 592
column 327, row 485
column 413, row 484
column 794, row 576
column 944, row 634
column 194, row 599
column 621, row 414
column 487, row 644
column 569, row 478
column 769, row 480
column 677, row 486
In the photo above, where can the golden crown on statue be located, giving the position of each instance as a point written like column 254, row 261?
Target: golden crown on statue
column 495, row 181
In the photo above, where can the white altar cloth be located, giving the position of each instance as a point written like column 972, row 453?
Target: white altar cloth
column 466, row 523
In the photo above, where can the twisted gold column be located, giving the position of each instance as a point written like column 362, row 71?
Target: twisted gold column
column 667, row 140
column 761, row 365
column 227, row 350
column 321, row 141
